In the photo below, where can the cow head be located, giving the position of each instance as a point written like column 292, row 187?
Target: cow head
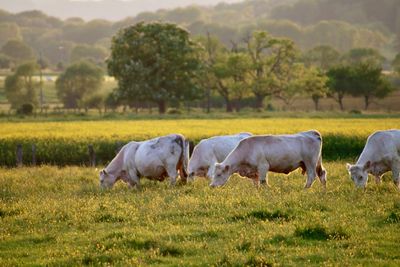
column 359, row 173
column 107, row 180
column 220, row 175
column 199, row 172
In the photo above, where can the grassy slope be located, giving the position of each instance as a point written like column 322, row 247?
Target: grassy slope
column 52, row 216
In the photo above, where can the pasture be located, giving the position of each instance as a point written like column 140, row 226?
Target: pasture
column 59, row 217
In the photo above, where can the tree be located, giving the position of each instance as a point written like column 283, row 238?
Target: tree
column 369, row 82
column 364, row 55
column 17, row 50
column 339, row 83
column 20, row 87
column 314, row 82
column 155, row 62
column 112, row 101
column 5, row 62
column 269, row 56
column 323, row 57
column 289, row 84
column 78, row 82
column 212, row 48
column 94, row 101
column 396, row 63
column 231, row 70
column 94, row 54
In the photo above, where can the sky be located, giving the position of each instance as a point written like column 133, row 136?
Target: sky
column 106, row 9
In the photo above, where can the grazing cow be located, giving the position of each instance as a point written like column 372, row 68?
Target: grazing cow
column 155, row 159
column 210, row 151
column 380, row 154
column 276, row 153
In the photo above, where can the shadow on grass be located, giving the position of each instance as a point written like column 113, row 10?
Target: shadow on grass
column 319, row 232
column 108, row 218
column 264, row 215
column 147, row 245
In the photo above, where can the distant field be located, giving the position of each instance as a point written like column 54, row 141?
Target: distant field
column 53, row 216
column 66, row 143
column 192, row 128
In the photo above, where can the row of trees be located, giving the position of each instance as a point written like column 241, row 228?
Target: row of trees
column 160, row 63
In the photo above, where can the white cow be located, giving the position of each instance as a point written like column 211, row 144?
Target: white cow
column 276, row 153
column 155, row 159
column 210, row 151
column 381, row 154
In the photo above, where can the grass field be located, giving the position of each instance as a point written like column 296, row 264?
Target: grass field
column 59, row 217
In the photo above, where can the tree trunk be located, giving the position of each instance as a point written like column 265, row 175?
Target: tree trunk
column 208, row 100
column 162, row 107
column 340, row 101
column 316, row 102
column 238, row 106
column 366, row 101
column 259, row 101
column 228, row 103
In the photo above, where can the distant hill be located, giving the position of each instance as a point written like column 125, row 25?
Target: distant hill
column 100, row 9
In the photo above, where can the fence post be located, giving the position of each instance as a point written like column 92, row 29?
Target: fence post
column 19, row 155
column 33, row 155
column 92, row 156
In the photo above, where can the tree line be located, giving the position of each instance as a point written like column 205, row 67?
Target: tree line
column 161, row 63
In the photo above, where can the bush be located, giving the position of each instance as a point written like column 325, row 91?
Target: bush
column 25, row 109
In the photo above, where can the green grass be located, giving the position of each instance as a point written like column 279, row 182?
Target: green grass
column 59, row 217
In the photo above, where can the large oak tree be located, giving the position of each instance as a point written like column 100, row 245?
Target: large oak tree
column 155, row 62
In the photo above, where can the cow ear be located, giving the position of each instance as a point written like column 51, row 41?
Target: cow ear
column 348, row 166
column 226, row 168
column 367, row 165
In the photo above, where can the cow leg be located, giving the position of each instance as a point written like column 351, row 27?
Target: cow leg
column 263, row 173
column 134, row 179
column 211, row 170
column 321, row 172
column 173, row 174
column 311, row 175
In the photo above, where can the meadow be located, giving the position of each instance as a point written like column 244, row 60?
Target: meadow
column 59, row 217
column 66, row 142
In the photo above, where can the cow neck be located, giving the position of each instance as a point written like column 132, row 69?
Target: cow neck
column 117, row 163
